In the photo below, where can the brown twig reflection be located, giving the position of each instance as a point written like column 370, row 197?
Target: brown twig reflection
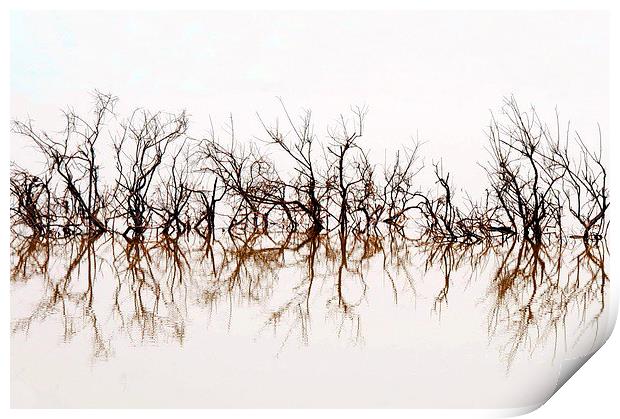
column 66, row 293
column 536, row 290
column 534, row 297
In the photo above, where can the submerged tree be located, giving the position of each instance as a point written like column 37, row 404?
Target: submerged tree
column 71, row 158
column 524, row 184
column 140, row 149
column 169, row 184
column 308, row 192
column 584, row 185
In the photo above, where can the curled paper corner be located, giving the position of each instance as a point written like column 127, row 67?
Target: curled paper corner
column 570, row 366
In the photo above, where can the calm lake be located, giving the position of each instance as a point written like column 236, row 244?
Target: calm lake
column 288, row 322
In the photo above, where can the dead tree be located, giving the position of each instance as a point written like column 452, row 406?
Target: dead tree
column 365, row 199
column 440, row 215
column 174, row 194
column 140, row 150
column 400, row 194
column 72, row 157
column 306, row 185
column 443, row 220
column 523, row 182
column 534, row 177
column 584, row 185
column 344, row 142
column 205, row 209
column 249, row 180
column 31, row 202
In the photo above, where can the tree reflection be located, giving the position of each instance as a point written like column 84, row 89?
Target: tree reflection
column 535, row 292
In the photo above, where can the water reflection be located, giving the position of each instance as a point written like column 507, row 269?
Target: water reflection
column 538, row 291
column 102, row 287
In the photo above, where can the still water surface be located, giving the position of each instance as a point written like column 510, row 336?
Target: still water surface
column 290, row 323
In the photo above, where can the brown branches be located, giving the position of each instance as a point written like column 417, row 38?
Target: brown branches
column 400, row 194
column 535, row 175
column 171, row 185
column 443, row 219
column 523, row 182
column 343, row 172
column 140, row 150
column 174, row 194
column 31, row 202
column 307, row 190
column 584, row 185
column 71, row 156
column 248, row 179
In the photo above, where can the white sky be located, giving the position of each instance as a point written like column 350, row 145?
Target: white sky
column 434, row 73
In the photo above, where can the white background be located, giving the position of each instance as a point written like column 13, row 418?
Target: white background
column 592, row 392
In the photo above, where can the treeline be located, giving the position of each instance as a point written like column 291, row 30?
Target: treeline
column 543, row 183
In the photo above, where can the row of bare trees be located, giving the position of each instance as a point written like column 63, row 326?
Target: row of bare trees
column 542, row 182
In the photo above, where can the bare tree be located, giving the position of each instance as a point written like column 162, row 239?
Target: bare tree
column 306, row 185
column 522, row 181
column 249, row 178
column 140, row 150
column 344, row 142
column 400, row 193
column 31, row 202
column 174, row 194
column 73, row 158
column 584, row 185
column 173, row 186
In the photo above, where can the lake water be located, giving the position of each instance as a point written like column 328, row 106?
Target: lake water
column 268, row 323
